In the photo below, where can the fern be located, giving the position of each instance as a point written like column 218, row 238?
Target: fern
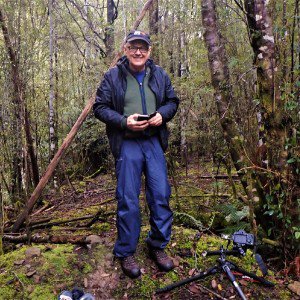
column 235, row 227
column 189, row 221
column 233, row 214
column 211, row 221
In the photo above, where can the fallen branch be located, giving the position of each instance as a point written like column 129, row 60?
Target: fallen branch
column 71, row 228
column 55, row 239
column 55, row 223
column 31, row 222
column 271, row 242
column 220, row 176
column 203, row 195
column 97, row 217
column 46, row 206
column 211, row 291
column 99, row 213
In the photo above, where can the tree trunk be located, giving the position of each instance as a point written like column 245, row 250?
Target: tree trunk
column 109, row 30
column 283, row 44
column 20, row 105
column 153, row 30
column 293, row 60
column 124, row 10
column 223, row 97
column 52, row 43
column 281, row 190
column 221, row 83
column 271, row 107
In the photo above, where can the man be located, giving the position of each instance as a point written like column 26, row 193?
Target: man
column 136, row 86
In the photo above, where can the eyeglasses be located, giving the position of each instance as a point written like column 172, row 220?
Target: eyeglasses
column 134, row 49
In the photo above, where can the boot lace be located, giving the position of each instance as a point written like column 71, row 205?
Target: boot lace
column 130, row 261
column 161, row 255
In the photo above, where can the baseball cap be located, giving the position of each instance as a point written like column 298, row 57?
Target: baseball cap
column 135, row 35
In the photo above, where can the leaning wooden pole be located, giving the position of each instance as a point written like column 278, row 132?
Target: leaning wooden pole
column 67, row 142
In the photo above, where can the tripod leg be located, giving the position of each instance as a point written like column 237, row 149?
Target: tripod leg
column 253, row 276
column 201, row 275
column 234, row 282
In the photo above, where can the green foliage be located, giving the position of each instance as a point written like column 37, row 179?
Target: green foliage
column 188, row 220
column 235, row 217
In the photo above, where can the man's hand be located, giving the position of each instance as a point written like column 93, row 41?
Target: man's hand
column 156, row 120
column 135, row 125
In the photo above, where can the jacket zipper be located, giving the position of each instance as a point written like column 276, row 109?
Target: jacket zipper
column 142, row 91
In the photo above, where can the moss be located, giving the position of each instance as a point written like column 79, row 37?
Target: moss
column 284, row 294
column 145, row 287
column 170, row 277
column 99, row 252
column 9, row 292
column 59, row 258
column 54, row 266
column 184, row 237
column 103, row 227
column 42, row 293
column 7, row 260
column 87, row 268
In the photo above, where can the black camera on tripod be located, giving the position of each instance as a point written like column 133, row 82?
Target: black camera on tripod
column 241, row 242
column 242, row 238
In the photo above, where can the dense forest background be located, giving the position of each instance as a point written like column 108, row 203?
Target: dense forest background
column 237, row 76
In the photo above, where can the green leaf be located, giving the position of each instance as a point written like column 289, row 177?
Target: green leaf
column 291, row 160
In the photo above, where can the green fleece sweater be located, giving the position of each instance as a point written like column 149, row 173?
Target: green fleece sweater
column 133, row 96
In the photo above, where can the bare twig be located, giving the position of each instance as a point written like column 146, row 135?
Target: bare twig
column 211, row 291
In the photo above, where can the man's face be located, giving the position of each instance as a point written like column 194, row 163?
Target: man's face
column 137, row 53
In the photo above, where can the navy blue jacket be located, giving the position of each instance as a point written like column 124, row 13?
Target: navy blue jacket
column 109, row 104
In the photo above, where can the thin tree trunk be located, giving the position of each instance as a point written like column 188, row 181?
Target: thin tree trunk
column 153, row 29
column 283, row 44
column 124, row 9
column 295, row 16
column 109, row 30
column 52, row 43
column 19, row 101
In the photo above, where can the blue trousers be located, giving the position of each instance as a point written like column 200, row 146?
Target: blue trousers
column 143, row 155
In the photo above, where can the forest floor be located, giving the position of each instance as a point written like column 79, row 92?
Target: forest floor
column 42, row 271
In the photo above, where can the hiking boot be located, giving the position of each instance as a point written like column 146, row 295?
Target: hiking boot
column 163, row 261
column 130, row 267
